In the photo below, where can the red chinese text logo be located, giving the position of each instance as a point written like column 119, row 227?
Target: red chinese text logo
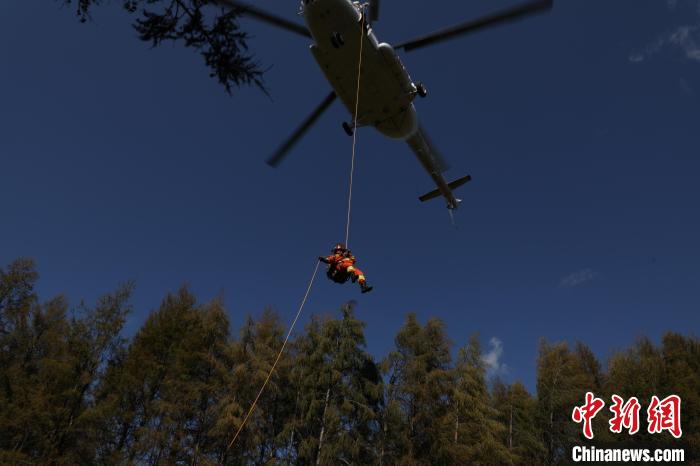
column 587, row 412
column 661, row 415
column 625, row 415
column 665, row 415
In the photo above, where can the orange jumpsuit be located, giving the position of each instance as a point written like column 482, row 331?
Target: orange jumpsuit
column 346, row 264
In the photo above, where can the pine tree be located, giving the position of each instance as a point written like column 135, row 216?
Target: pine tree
column 562, row 381
column 681, row 377
column 72, row 391
column 637, row 371
column 165, row 395
column 477, row 430
column 196, row 24
column 18, row 436
column 264, row 437
column 340, row 392
column 645, row 370
column 516, row 412
column 418, row 420
column 50, row 362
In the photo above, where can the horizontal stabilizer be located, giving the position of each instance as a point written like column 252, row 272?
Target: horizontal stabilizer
column 453, row 185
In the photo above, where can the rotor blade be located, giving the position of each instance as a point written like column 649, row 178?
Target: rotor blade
column 266, row 17
column 439, row 160
column 499, row 17
column 373, row 10
column 300, row 131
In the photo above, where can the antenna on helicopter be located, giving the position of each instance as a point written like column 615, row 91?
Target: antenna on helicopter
column 452, row 218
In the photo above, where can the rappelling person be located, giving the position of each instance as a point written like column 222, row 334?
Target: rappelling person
column 341, row 266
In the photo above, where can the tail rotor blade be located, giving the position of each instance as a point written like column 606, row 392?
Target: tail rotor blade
column 284, row 149
column 497, row 18
column 266, row 17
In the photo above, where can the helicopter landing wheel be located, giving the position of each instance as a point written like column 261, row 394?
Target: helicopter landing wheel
column 348, row 129
column 421, row 90
column 337, row 40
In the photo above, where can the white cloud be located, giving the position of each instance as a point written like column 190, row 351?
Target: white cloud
column 577, row 278
column 492, row 358
column 648, row 51
column 685, row 38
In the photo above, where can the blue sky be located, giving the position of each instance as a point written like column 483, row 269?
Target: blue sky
column 580, row 130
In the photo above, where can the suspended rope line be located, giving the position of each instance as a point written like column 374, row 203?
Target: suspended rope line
column 354, row 129
column 279, row 355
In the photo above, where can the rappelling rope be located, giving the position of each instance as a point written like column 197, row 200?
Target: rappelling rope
column 354, row 130
column 279, row 355
column 313, row 277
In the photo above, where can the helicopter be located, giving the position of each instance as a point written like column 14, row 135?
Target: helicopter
column 343, row 36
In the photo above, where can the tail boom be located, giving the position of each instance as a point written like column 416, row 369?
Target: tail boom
column 432, row 162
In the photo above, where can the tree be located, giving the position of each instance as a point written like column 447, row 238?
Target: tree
column 416, row 426
column 50, row 360
column 477, row 430
column 562, row 381
column 16, row 295
column 340, row 394
column 645, row 370
column 264, row 438
column 165, row 398
column 681, row 377
column 73, row 391
column 199, row 24
column 516, row 412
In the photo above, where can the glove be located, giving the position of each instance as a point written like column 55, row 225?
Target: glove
column 322, row 259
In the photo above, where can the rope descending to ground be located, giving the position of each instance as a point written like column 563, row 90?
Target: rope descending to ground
column 279, row 355
column 313, row 277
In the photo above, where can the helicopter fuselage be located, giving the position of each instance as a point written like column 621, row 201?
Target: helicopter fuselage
column 368, row 76
column 386, row 92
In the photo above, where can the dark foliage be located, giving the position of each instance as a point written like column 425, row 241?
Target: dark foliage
column 199, row 24
column 73, row 391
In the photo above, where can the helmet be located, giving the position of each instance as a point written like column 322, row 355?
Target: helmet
column 339, row 247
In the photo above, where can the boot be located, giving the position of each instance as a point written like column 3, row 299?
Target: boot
column 365, row 287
